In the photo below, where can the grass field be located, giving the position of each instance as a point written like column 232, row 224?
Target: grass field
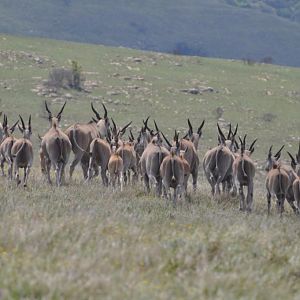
column 86, row 242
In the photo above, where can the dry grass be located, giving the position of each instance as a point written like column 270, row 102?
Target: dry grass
column 85, row 242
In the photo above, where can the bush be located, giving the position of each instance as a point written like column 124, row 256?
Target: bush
column 66, row 78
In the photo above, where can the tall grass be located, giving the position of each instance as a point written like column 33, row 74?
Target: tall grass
column 84, row 241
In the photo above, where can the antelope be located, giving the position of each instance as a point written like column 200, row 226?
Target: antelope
column 150, row 162
column 143, row 139
column 195, row 136
column 217, row 163
column 185, row 164
column 99, row 155
column 115, row 168
column 126, row 151
column 22, row 152
column 295, row 164
column 272, row 164
column 81, row 136
column 56, row 147
column 277, row 181
column 191, row 156
column 6, row 146
column 243, row 173
column 172, row 171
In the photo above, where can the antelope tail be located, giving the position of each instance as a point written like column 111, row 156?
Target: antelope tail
column 116, row 167
column 173, row 168
column 280, row 182
column 217, row 154
column 243, row 167
column 21, row 148
column 9, row 151
column 60, row 147
column 75, row 141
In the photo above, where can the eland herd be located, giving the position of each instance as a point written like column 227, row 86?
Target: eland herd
column 100, row 145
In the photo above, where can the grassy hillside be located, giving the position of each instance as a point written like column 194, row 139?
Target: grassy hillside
column 84, row 241
column 286, row 9
column 207, row 28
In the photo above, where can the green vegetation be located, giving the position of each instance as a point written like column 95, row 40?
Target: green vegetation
column 289, row 9
column 83, row 241
column 214, row 28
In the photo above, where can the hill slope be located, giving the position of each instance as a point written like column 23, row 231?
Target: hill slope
column 261, row 98
column 86, row 241
column 207, row 28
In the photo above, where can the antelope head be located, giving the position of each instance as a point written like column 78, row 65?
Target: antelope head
column 228, row 141
column 194, row 137
column 243, row 149
column 6, row 129
column 272, row 160
column 117, row 133
column 156, row 136
column 103, row 124
column 131, row 139
column 175, row 147
column 54, row 121
column 26, row 131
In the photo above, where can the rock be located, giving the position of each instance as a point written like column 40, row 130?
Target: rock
column 38, row 60
column 193, row 91
column 112, row 93
column 137, row 59
column 52, row 95
column 206, row 89
column 269, row 93
column 200, row 90
column 68, row 96
column 268, row 117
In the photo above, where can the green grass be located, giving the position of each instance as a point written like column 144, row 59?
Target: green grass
column 82, row 242
column 86, row 242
